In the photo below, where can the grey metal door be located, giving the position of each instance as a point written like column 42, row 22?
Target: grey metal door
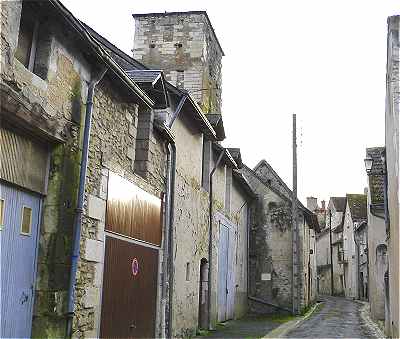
column 19, row 222
column 231, row 289
column 223, row 272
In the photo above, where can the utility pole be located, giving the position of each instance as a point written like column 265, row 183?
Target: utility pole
column 330, row 243
column 294, row 225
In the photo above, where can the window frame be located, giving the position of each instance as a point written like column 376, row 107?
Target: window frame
column 30, row 220
column 2, row 209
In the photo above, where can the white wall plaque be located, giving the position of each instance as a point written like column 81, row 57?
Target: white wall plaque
column 265, row 276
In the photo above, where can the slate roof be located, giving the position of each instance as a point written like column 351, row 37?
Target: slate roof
column 217, row 123
column 129, row 64
column 339, row 203
column 228, row 159
column 284, row 192
column 97, row 50
column 376, row 178
column 244, row 183
column 144, row 75
column 358, row 206
column 236, row 155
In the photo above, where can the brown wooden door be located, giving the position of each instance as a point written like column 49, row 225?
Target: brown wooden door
column 129, row 290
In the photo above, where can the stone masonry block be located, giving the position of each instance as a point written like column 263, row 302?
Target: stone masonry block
column 103, row 187
column 96, row 208
column 91, row 297
column 100, row 231
column 98, row 275
column 94, row 250
column 131, row 153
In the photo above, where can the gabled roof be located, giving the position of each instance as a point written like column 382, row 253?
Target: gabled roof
column 160, row 14
column 98, row 51
column 376, row 178
column 235, row 152
column 284, row 192
column 144, row 75
column 228, row 159
column 239, row 177
column 339, row 203
column 129, row 64
column 217, row 123
column 358, row 206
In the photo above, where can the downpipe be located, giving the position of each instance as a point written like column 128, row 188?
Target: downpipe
column 171, row 272
column 210, row 244
column 79, row 208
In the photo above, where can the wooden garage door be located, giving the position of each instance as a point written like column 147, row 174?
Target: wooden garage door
column 129, row 290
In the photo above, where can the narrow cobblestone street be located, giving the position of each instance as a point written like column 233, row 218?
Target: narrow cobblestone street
column 336, row 318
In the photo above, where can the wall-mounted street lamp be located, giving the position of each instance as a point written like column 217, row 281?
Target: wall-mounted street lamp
column 368, row 161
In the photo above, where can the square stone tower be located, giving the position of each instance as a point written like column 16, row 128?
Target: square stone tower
column 185, row 47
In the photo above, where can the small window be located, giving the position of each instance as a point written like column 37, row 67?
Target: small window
column 26, row 221
column 1, row 214
column 187, row 271
column 27, row 40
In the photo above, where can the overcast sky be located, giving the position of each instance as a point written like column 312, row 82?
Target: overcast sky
column 323, row 60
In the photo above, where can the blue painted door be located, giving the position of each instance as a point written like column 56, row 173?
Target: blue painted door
column 223, row 271
column 19, row 219
column 231, row 274
column 226, row 271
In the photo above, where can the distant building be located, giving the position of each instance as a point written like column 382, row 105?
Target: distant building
column 334, row 221
column 355, row 218
column 271, row 251
column 323, row 249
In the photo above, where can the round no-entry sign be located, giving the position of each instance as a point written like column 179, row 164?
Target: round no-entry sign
column 135, row 267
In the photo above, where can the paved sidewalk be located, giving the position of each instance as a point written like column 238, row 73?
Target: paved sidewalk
column 248, row 327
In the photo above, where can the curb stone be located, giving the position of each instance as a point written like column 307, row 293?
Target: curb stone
column 285, row 328
column 364, row 313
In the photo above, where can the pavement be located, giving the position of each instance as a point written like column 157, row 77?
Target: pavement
column 335, row 317
column 251, row 326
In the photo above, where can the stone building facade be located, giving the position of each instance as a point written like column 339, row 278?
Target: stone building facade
column 354, row 217
column 324, row 262
column 323, row 248
column 392, row 170
column 44, row 88
column 271, row 252
column 184, row 45
column 138, row 118
column 334, row 221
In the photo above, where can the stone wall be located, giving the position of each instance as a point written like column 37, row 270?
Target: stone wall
column 54, row 110
column 323, row 262
column 270, row 246
column 392, row 130
column 350, row 256
column 377, row 256
column 190, row 227
column 184, row 46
